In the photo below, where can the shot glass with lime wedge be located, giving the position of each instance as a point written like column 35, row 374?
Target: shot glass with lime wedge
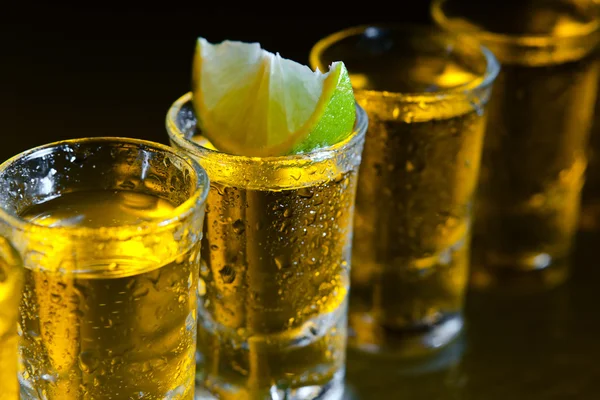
column 282, row 147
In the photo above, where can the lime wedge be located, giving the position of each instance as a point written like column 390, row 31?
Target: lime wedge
column 255, row 103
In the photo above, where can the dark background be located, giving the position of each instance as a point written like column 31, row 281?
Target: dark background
column 73, row 72
column 70, row 72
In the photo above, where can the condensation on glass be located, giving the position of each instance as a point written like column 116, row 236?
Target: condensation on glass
column 425, row 92
column 276, row 262
column 536, row 147
column 109, row 233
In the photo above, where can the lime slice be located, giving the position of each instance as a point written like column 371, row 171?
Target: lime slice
column 255, row 103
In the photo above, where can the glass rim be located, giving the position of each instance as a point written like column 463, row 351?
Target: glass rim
column 180, row 139
column 179, row 213
column 492, row 67
column 524, row 40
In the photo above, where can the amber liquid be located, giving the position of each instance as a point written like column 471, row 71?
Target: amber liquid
column 10, row 295
column 533, row 168
column 119, row 328
column 416, row 184
column 412, row 229
column 535, row 151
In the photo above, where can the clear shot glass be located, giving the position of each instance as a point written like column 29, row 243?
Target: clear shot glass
column 535, row 152
column 425, row 92
column 275, row 276
column 109, row 233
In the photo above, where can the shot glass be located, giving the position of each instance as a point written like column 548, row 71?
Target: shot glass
column 109, row 232
column 11, row 282
column 425, row 93
column 275, row 277
column 534, row 157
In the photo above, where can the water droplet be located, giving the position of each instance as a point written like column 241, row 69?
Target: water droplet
column 227, row 274
column 113, row 266
column 128, row 184
column 140, row 292
column 284, row 226
column 55, row 298
column 201, row 287
column 49, row 378
column 305, row 193
column 152, row 181
column 88, row 361
column 312, row 217
column 238, row 226
column 117, row 360
column 396, row 112
column 174, row 182
column 282, row 262
column 217, row 189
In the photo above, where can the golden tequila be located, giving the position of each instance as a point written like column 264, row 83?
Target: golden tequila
column 535, row 153
column 123, row 327
column 108, row 230
column 11, row 280
column 425, row 93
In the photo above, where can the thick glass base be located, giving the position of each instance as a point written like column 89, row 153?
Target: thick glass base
column 410, row 341
column 332, row 390
column 434, row 376
column 520, row 273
